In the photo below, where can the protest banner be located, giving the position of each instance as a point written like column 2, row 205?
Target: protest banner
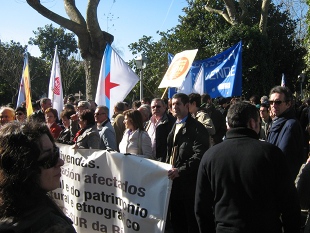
column 111, row 192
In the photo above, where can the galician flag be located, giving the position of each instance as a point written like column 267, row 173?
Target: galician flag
column 21, row 93
column 27, row 86
column 55, row 91
column 199, row 85
column 116, row 80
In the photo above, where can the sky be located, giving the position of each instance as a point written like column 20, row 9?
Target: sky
column 127, row 20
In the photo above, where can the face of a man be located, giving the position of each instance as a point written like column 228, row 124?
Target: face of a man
column 47, row 104
column 278, row 104
column 179, row 109
column 158, row 109
column 264, row 113
column 100, row 115
column 6, row 116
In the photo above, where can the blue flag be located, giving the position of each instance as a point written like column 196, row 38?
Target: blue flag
column 222, row 73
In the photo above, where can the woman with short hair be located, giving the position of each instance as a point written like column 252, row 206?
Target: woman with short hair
column 51, row 116
column 88, row 136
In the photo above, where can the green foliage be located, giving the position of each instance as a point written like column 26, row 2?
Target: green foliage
column 48, row 37
column 265, row 58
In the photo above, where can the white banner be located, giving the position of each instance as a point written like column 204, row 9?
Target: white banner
column 178, row 69
column 112, row 192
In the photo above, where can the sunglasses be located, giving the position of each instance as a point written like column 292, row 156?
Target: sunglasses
column 50, row 160
column 156, row 106
column 98, row 114
column 19, row 113
column 276, row 102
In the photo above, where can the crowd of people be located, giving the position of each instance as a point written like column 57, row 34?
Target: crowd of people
column 237, row 165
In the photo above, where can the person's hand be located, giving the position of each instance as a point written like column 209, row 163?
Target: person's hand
column 74, row 117
column 173, row 173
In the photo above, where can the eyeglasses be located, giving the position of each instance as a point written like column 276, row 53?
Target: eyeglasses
column 156, row 106
column 97, row 114
column 276, row 102
column 49, row 160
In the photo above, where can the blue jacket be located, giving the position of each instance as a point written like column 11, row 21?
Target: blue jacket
column 286, row 133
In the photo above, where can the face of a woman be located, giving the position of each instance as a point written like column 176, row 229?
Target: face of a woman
column 65, row 122
column 128, row 123
column 49, row 177
column 50, row 118
column 20, row 116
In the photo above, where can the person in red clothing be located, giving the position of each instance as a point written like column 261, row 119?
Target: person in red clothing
column 50, row 119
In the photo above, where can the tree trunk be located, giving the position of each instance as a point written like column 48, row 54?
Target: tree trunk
column 92, row 69
column 91, row 39
column 264, row 17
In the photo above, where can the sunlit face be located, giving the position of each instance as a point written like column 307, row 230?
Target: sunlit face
column 179, row 109
column 65, row 122
column 100, row 115
column 49, row 177
column 6, row 116
column 20, row 116
column 50, row 118
column 278, row 104
column 158, row 109
column 128, row 123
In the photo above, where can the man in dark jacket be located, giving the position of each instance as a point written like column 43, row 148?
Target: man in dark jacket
column 187, row 142
column 243, row 184
column 285, row 131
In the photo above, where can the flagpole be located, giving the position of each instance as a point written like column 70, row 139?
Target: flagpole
column 164, row 92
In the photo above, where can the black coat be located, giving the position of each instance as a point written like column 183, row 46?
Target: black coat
column 191, row 142
column 244, row 186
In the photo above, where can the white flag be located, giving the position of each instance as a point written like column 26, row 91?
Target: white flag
column 199, row 82
column 116, row 80
column 187, row 84
column 55, row 91
column 21, row 93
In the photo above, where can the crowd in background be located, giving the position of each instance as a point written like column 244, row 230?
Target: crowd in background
column 180, row 131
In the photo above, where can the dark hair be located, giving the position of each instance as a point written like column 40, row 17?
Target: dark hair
column 21, row 109
column 265, row 105
column 195, row 97
column 255, row 99
column 19, row 167
column 285, row 90
column 240, row 113
column 146, row 100
column 52, row 110
column 184, row 98
column 136, row 118
column 120, row 106
column 136, row 104
column 67, row 113
column 88, row 116
column 44, row 100
column 205, row 98
column 69, row 107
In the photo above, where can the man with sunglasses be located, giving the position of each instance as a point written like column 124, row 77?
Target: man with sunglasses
column 105, row 128
column 285, row 131
column 158, row 128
